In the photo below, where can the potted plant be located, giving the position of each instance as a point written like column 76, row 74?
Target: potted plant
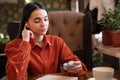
column 4, row 39
column 111, row 25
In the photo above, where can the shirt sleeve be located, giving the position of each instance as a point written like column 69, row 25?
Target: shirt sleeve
column 18, row 54
column 67, row 55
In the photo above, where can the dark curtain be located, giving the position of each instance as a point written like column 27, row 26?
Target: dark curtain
column 96, row 28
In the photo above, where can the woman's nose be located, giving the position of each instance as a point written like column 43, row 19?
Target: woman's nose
column 42, row 23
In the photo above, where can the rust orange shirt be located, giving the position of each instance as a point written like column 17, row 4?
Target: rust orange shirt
column 28, row 58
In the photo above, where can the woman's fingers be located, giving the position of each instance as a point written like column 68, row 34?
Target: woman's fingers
column 79, row 65
column 25, row 27
column 25, row 34
column 76, row 68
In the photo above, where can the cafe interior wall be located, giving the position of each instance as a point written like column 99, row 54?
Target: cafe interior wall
column 12, row 11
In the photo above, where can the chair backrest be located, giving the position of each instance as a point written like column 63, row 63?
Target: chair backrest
column 73, row 27
column 68, row 25
column 12, row 29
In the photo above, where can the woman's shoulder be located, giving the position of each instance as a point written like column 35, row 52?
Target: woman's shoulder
column 15, row 41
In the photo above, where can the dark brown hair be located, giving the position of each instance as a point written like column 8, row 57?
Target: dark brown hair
column 27, row 10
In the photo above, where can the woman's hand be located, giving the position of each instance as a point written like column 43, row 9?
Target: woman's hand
column 74, row 66
column 26, row 34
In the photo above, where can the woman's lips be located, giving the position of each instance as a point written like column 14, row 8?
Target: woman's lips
column 43, row 30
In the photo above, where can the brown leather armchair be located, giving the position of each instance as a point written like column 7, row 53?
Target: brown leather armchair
column 73, row 27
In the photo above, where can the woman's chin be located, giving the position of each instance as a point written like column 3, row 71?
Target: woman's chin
column 43, row 34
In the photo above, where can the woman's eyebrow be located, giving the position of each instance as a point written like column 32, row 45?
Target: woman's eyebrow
column 45, row 16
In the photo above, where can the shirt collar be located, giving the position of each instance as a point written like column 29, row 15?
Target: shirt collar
column 46, row 42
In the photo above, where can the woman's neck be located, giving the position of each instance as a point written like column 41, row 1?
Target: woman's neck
column 39, row 39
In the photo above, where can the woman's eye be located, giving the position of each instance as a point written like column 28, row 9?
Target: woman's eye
column 37, row 21
column 46, row 19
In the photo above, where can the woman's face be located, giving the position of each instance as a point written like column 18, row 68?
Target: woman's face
column 38, row 22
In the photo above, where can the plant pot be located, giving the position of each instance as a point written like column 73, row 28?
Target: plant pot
column 106, row 37
column 115, row 38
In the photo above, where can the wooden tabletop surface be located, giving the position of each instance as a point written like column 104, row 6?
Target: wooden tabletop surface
column 82, row 77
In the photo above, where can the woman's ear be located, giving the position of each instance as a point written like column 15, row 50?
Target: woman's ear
column 26, row 25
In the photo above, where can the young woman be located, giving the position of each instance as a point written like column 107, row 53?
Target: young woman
column 33, row 52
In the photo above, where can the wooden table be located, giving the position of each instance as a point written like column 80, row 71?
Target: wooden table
column 109, row 50
column 114, row 52
column 82, row 77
